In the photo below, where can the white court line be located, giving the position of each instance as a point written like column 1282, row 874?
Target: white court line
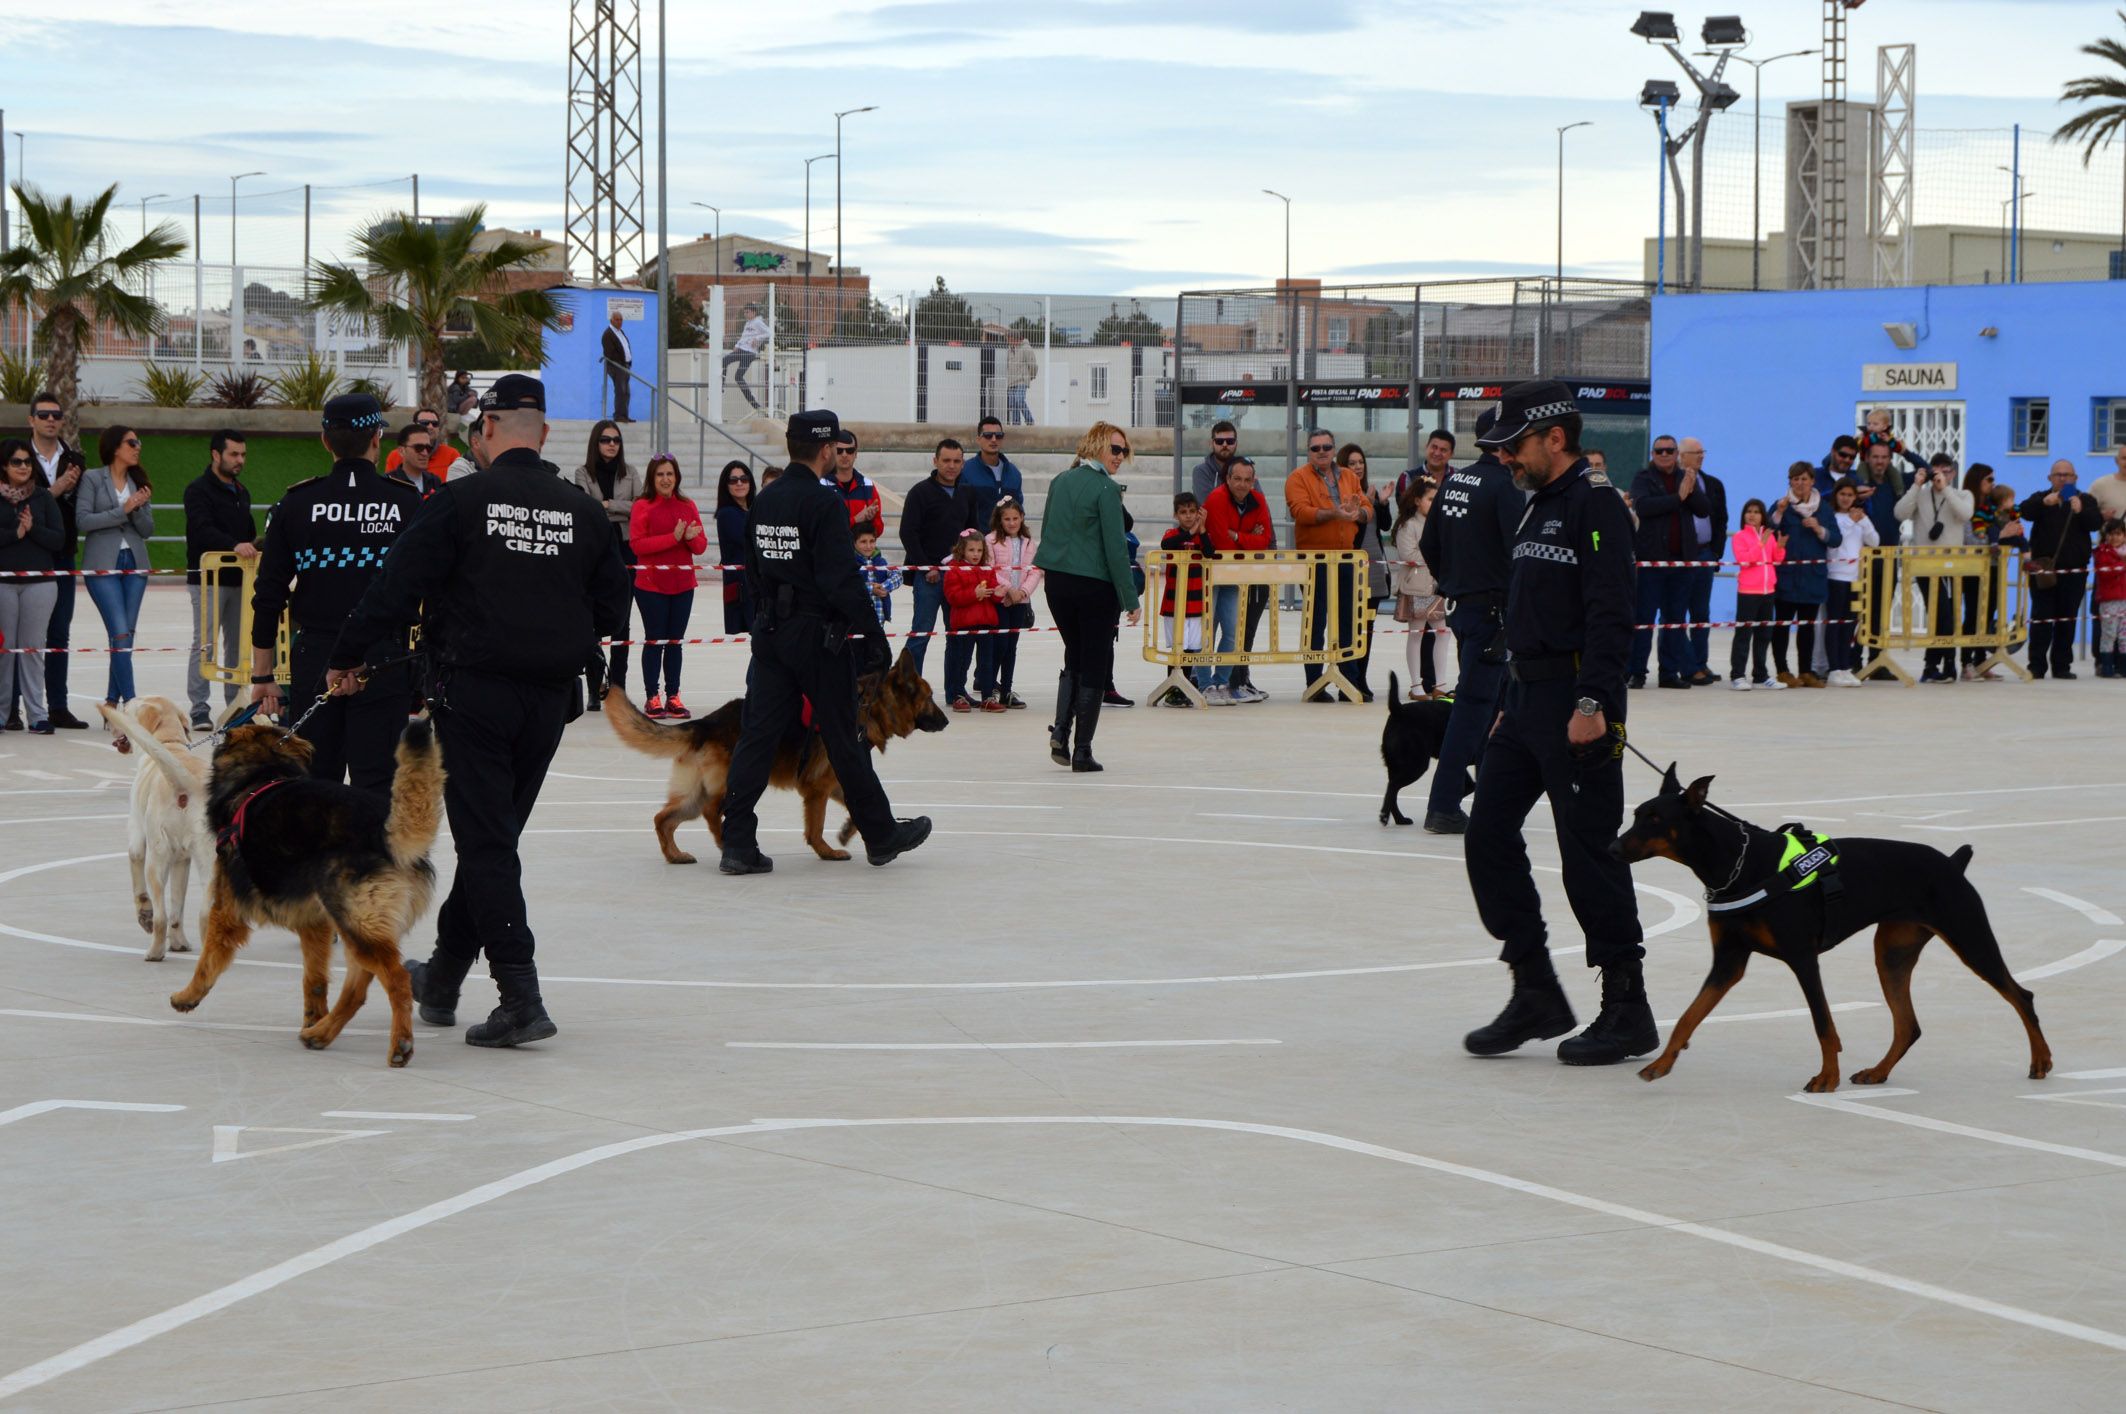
column 286, row 1030
column 2102, row 917
column 2115, row 1074
column 2023, row 824
column 1770, row 1015
column 618, row 780
column 257, row 1283
column 904, row 804
column 397, row 1114
column 1131, row 785
column 39, row 775
column 40, row 1107
column 1225, row 815
column 77, row 790
column 973, row 1045
column 61, row 819
column 2095, row 952
column 1943, row 1126
column 1927, row 795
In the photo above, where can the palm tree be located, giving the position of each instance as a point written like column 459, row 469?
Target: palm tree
column 73, row 270
column 2096, row 127
column 419, row 275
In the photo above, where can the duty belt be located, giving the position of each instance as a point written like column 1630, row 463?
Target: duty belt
column 1549, row 669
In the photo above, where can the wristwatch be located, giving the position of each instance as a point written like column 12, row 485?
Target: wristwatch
column 1588, row 707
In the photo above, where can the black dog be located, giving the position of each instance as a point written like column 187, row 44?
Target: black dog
column 1827, row 891
column 1408, row 742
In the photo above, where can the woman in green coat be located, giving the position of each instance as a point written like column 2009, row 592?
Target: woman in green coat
column 1084, row 562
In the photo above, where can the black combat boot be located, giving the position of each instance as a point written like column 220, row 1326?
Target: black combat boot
column 1088, row 713
column 1536, row 1011
column 1625, row 1027
column 522, row 1016
column 435, row 986
column 907, row 834
column 1066, row 707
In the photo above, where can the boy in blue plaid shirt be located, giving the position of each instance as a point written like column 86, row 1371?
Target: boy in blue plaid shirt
column 880, row 578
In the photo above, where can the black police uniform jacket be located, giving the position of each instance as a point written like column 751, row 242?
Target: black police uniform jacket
column 1469, row 536
column 519, row 569
column 1572, row 587
column 801, row 558
column 325, row 544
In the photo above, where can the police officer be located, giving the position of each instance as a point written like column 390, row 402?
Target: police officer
column 1561, row 733
column 1468, row 545
column 525, row 569
column 325, row 545
column 810, row 609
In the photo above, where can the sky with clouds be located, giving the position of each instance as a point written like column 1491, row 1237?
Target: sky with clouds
column 1076, row 146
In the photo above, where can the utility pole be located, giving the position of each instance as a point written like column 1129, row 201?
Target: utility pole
column 1584, row 123
column 1291, row 342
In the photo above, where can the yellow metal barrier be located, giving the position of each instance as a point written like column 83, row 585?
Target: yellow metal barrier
column 1325, row 580
column 1897, row 600
column 221, row 570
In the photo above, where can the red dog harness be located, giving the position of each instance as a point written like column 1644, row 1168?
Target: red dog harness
column 232, row 834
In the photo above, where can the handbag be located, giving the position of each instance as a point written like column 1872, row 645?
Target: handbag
column 2044, row 569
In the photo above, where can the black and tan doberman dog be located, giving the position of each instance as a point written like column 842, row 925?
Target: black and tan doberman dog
column 1790, row 896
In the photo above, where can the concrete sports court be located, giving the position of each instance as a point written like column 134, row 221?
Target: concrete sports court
column 1141, row 1091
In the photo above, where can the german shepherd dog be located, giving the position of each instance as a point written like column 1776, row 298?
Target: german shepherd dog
column 317, row 857
column 895, row 703
column 1908, row 892
column 1409, row 741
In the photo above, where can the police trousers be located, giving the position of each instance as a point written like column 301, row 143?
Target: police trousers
column 1477, row 687
column 1529, row 757
column 498, row 736
column 352, row 739
column 791, row 662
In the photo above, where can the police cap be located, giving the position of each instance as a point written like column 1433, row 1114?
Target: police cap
column 353, row 410
column 814, row 428
column 514, row 392
column 1526, row 408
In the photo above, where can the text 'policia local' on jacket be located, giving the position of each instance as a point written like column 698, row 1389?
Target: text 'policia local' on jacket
column 1468, row 538
column 518, row 568
column 801, row 558
column 325, row 543
column 1573, row 583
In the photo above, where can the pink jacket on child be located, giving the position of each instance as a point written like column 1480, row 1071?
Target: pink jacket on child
column 1757, row 550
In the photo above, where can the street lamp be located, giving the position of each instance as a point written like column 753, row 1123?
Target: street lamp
column 1584, row 123
column 845, row 113
column 232, row 215
column 1724, row 33
column 1757, row 152
column 1291, row 342
column 716, row 263
column 1659, row 95
column 2013, row 199
column 805, row 358
column 144, row 211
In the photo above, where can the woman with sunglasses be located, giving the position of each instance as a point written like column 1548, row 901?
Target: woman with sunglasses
column 112, row 511
column 1084, row 563
column 734, row 524
column 31, row 536
column 616, row 487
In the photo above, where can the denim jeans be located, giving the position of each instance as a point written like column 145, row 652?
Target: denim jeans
column 117, row 598
column 923, row 618
column 1662, row 594
column 1701, row 612
column 1015, row 409
column 1225, row 615
column 663, row 616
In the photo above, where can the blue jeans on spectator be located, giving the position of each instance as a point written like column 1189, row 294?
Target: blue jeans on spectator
column 1015, row 409
column 117, row 598
column 1665, row 593
column 663, row 616
column 1225, row 615
column 929, row 602
column 1701, row 613
column 959, row 656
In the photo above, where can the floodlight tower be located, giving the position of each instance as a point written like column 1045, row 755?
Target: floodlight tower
column 1658, row 96
column 604, row 173
column 1723, row 34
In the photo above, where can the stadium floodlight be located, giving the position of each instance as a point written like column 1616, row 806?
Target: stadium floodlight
column 1722, row 30
column 1719, row 97
column 1659, row 93
column 1653, row 26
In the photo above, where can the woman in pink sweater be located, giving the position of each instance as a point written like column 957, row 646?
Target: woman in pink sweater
column 1757, row 549
column 666, row 534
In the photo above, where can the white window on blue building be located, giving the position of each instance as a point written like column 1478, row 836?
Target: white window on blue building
column 2107, row 423
column 2030, row 425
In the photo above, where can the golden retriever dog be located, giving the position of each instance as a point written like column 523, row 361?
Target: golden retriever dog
column 895, row 703
column 167, row 830
column 317, row 857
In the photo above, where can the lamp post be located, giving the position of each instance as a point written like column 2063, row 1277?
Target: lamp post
column 144, row 211
column 232, row 216
column 2008, row 273
column 804, row 377
column 1660, row 95
column 718, row 262
column 1291, row 343
column 1757, row 153
column 845, row 113
column 1584, row 123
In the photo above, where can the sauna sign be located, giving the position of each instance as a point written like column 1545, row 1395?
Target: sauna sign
column 1908, row 378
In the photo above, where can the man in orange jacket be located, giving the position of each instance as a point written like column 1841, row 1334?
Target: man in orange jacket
column 1328, row 513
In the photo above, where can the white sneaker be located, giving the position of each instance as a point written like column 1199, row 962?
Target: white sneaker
column 1739, row 684
column 1215, row 696
column 1248, row 692
column 1769, row 685
column 1842, row 678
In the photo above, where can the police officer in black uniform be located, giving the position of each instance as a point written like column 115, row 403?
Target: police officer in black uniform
column 325, row 545
column 1468, row 545
column 524, row 569
column 1561, row 733
column 813, row 627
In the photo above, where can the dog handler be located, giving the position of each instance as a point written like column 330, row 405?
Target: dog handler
column 810, row 605
column 329, row 535
column 1560, row 732
column 522, row 578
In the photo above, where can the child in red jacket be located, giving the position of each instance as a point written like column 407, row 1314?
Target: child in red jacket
column 2110, row 597
column 1189, row 536
column 972, row 594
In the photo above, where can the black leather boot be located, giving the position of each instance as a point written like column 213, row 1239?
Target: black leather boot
column 1625, row 1027
column 1536, row 1011
column 522, row 1016
column 1066, row 707
column 435, row 986
column 1088, row 713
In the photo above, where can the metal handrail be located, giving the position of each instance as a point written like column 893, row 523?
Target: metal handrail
column 702, row 426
